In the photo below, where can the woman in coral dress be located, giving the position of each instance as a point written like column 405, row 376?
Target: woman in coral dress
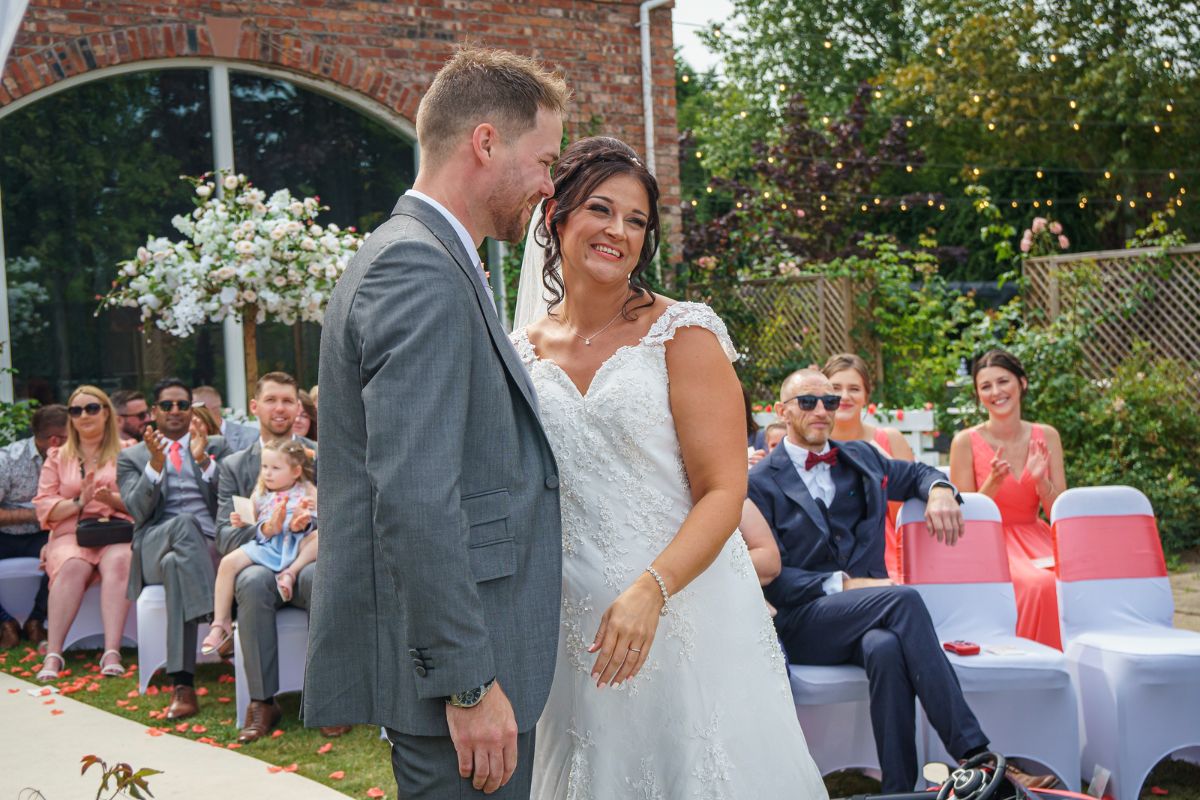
column 852, row 380
column 1018, row 464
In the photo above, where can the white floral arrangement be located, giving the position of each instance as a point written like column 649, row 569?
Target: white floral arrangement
column 244, row 254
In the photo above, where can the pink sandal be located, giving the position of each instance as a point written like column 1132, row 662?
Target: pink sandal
column 218, row 634
column 285, row 583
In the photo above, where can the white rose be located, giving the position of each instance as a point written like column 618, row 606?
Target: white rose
column 293, row 226
column 331, row 272
column 279, row 281
column 296, row 208
column 204, row 189
column 249, row 296
column 244, row 248
column 129, row 269
column 316, row 270
column 143, row 255
column 307, row 243
column 230, row 182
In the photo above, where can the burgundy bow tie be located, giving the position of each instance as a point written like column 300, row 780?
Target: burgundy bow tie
column 813, row 459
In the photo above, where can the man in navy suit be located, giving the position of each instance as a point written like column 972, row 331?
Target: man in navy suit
column 826, row 505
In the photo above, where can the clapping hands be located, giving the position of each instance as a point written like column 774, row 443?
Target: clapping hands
column 1001, row 469
column 303, row 516
column 274, row 523
column 1038, row 462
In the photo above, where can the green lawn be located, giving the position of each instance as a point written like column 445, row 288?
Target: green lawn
column 361, row 755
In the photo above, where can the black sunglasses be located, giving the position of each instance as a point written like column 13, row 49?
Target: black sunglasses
column 167, row 405
column 139, row 415
column 91, row 409
column 808, row 402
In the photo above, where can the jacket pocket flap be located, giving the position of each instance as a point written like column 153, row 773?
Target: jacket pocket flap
column 486, row 506
column 496, row 559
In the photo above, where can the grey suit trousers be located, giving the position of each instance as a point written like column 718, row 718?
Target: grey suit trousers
column 178, row 555
column 426, row 767
column 257, row 601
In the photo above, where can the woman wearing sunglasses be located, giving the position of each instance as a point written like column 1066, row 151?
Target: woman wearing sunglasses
column 851, row 379
column 79, row 481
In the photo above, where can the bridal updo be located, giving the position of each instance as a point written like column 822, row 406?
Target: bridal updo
column 584, row 165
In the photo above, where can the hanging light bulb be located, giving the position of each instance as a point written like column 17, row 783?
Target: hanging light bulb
column 1167, row 63
column 931, row 202
column 838, row 165
column 877, row 201
column 1040, row 174
column 991, row 126
column 823, row 198
column 1014, row 203
column 1170, row 107
column 1053, row 57
column 694, row 204
column 1107, row 175
column 825, row 120
column 1073, row 104
column 742, row 115
column 685, row 79
column 1171, row 174
column 770, row 159
column 878, row 94
column 975, row 172
column 1157, row 128
column 908, row 167
column 941, row 51
column 1049, row 203
column 828, row 44
column 783, row 206
column 1118, row 198
column 1132, row 204
column 1149, row 195
column 904, row 206
column 1036, row 204
column 863, row 206
column 766, row 195
column 1075, row 126
column 708, row 189
column 739, row 204
column 699, row 154
column 908, row 123
column 976, row 98
column 783, row 87
column 941, row 206
column 823, row 208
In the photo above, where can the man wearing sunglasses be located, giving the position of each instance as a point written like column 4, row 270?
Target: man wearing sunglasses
column 133, row 414
column 169, row 485
column 826, row 503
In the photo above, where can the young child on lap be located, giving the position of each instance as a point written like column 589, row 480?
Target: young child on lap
column 285, row 536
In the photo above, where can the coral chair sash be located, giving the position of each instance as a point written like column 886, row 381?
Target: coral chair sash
column 978, row 557
column 1101, row 548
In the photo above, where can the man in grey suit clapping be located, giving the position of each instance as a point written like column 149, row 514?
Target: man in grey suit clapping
column 435, row 607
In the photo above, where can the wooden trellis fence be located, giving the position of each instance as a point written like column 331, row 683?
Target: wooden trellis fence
column 1144, row 294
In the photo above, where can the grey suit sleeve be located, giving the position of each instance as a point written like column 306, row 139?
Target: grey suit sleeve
column 139, row 495
column 415, row 326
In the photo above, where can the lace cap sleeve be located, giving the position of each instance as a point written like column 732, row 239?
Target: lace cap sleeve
column 524, row 348
column 682, row 315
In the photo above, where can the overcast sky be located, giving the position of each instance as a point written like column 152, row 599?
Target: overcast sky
column 689, row 16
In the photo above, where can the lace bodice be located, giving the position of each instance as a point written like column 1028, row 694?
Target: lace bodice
column 624, row 493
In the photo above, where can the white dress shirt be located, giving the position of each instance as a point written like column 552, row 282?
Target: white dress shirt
column 819, row 481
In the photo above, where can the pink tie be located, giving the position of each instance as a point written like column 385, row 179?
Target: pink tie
column 176, row 459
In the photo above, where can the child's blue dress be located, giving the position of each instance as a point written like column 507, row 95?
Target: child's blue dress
column 278, row 552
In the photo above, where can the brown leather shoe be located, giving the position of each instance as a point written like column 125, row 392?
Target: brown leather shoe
column 35, row 631
column 334, row 731
column 183, row 703
column 261, row 719
column 10, row 634
column 1030, row 781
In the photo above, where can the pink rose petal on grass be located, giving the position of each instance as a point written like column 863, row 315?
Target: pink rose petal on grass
column 275, row 734
column 154, row 732
column 325, row 748
column 224, row 700
column 337, row 775
column 376, row 792
column 271, row 768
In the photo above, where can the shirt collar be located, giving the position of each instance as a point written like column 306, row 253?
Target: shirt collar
column 29, row 450
column 799, row 455
column 467, row 242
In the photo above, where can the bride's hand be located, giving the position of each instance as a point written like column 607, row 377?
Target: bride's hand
column 626, row 632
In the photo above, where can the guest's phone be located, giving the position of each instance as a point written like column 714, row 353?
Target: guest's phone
column 961, row 648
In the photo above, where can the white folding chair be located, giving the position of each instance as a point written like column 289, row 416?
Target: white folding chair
column 1138, row 677
column 19, row 581
column 152, row 634
column 1020, row 690
column 291, row 626
column 87, row 631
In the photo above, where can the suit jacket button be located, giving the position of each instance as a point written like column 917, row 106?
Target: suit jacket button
column 414, row 653
column 420, row 671
column 551, row 481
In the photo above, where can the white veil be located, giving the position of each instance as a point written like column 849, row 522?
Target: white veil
column 532, row 303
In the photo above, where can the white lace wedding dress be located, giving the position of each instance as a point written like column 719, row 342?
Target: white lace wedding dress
column 710, row 715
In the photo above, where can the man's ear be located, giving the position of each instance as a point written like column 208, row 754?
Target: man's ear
column 484, row 139
column 253, row 406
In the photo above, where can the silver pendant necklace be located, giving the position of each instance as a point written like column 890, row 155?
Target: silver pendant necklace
column 588, row 339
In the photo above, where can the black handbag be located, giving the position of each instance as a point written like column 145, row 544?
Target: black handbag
column 103, row 531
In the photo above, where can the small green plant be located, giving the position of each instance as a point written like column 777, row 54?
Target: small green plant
column 124, row 779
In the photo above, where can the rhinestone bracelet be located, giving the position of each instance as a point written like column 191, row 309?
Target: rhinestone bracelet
column 662, row 587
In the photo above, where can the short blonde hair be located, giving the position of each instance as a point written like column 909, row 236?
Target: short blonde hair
column 482, row 85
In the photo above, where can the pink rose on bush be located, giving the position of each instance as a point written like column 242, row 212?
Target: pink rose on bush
column 1039, row 224
column 1056, row 228
column 1063, row 242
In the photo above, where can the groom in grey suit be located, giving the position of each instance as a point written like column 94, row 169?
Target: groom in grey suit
column 435, row 606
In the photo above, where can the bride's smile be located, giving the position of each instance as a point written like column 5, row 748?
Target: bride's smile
column 602, row 239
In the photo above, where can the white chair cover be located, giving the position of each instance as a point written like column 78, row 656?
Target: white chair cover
column 19, row 580
column 291, row 625
column 152, row 635
column 1020, row 690
column 87, row 631
column 1138, row 677
column 834, row 710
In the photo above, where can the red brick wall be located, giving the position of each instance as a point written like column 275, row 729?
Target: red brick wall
column 385, row 50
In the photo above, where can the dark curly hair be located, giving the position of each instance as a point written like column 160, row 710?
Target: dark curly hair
column 585, row 165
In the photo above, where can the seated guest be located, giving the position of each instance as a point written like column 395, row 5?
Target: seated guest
column 851, row 381
column 982, row 460
column 78, row 482
column 306, row 419
column 207, row 420
column 237, row 436
column 773, row 434
column 313, row 394
column 826, row 506
column 20, row 534
column 132, row 413
column 169, row 483
column 276, row 403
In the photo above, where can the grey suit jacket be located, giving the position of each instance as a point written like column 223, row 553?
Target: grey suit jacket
column 239, row 436
column 238, row 476
column 145, row 500
column 440, row 568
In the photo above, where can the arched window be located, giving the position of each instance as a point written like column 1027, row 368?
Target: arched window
column 87, row 172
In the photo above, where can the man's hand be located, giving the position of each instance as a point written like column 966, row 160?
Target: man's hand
column 756, row 456
column 943, row 515
column 156, row 444
column 198, row 444
column 485, row 738
column 865, row 583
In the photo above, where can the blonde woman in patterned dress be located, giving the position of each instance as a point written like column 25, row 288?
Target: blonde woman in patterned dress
column 670, row 682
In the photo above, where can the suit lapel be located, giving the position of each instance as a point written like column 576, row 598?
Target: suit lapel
column 789, row 480
column 445, row 234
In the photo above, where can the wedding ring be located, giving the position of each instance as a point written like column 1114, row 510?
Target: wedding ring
column 634, row 650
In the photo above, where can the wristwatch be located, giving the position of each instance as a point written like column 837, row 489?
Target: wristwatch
column 471, row 697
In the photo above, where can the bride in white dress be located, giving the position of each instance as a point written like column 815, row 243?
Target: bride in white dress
column 643, row 410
